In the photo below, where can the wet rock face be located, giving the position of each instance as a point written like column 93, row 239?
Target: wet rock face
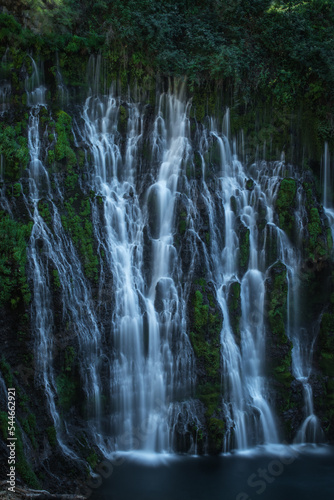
column 288, row 395
column 234, row 305
column 205, row 324
column 285, row 205
column 323, row 380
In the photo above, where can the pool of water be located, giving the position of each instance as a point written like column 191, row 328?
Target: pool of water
column 272, row 473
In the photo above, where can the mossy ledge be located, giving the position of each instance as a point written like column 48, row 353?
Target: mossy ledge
column 278, row 351
column 205, row 327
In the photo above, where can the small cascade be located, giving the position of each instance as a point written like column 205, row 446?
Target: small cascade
column 51, row 248
column 34, row 87
column 302, row 351
column 147, row 307
column 327, row 185
column 249, row 417
column 63, row 93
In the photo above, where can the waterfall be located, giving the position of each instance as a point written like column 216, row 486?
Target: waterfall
column 52, row 248
column 327, row 185
column 130, row 330
column 249, row 416
column 302, row 351
column 63, row 93
column 147, row 310
column 34, row 88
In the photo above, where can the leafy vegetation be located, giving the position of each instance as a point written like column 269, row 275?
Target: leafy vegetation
column 285, row 204
column 81, row 230
column 234, row 305
column 319, row 241
column 280, row 346
column 326, row 344
column 206, row 326
column 14, row 150
column 205, row 337
column 22, row 465
column 66, row 389
column 14, row 287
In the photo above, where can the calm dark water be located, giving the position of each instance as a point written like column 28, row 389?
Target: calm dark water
column 282, row 474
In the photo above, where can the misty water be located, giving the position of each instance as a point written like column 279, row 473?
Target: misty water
column 298, row 473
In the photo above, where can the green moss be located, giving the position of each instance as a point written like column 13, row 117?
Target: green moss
column 205, row 336
column 13, row 258
column 216, row 428
column 44, row 210
column 123, row 119
column 30, row 428
column 52, row 436
column 6, row 372
column 66, row 389
column 56, row 280
column 15, row 152
column 79, row 225
column 210, row 395
column 280, row 347
column 249, row 184
column 326, row 344
column 63, row 151
column 278, row 302
column 70, row 356
column 244, row 248
column 81, row 158
column 23, row 467
column 234, row 305
column 233, row 203
column 285, row 204
column 17, row 189
column 182, row 223
column 51, row 156
column 92, row 459
column 319, row 242
column 329, row 239
column 206, row 324
column 314, row 227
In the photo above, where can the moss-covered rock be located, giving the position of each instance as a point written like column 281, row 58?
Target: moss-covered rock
column 285, row 205
column 244, row 245
column 205, row 335
column 234, row 306
column 326, row 344
column 206, row 324
column 77, row 221
column 67, row 391
column 318, row 243
column 14, row 286
column 324, row 354
column 14, row 151
column 279, row 348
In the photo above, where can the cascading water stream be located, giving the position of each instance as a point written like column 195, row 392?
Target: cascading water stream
column 137, row 364
column 143, row 366
column 52, row 248
column 302, row 351
column 249, row 416
column 328, row 208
